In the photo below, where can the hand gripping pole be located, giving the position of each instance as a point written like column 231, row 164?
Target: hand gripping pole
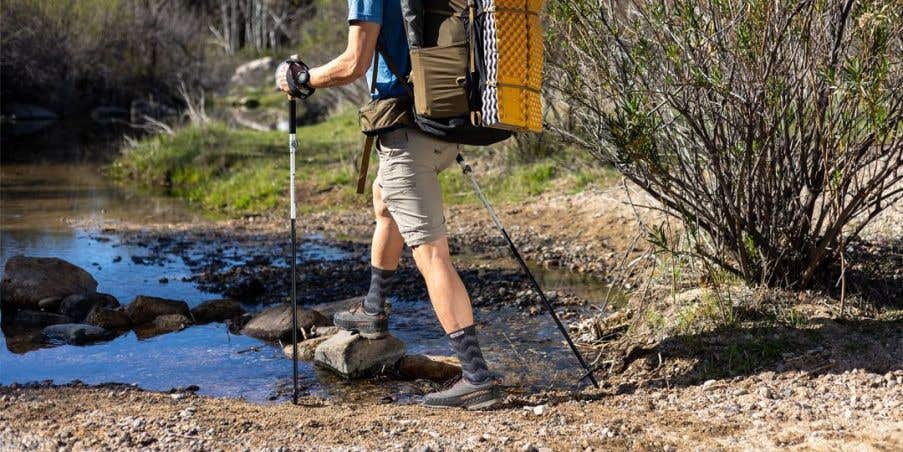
column 523, row 265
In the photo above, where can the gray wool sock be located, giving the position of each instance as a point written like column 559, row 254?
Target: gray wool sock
column 473, row 366
column 375, row 301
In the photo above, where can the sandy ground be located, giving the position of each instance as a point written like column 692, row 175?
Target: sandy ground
column 851, row 411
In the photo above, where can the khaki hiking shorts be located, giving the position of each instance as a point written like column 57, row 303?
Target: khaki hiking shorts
column 408, row 177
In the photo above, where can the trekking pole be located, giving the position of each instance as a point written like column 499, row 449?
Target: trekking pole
column 292, row 146
column 523, row 265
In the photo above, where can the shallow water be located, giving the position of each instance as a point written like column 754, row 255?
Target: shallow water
column 50, row 184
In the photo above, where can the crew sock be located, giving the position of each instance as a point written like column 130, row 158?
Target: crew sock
column 375, row 301
column 473, row 366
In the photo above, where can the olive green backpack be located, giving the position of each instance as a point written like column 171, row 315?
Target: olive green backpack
column 456, row 61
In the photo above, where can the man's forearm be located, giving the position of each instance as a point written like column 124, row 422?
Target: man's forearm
column 343, row 70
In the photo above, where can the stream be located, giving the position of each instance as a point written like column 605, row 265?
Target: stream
column 55, row 201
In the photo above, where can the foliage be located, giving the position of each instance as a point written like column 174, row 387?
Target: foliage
column 771, row 129
column 239, row 171
column 65, row 52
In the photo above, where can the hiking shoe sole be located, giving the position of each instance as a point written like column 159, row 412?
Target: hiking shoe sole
column 477, row 400
column 370, row 329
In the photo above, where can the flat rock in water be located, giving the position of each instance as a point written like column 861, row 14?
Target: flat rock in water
column 171, row 322
column 28, row 280
column 216, row 311
column 76, row 333
column 109, row 318
column 29, row 318
column 306, row 349
column 435, row 368
column 275, row 323
column 78, row 306
column 353, row 356
column 145, row 309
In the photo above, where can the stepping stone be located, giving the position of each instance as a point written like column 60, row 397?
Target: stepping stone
column 353, row 356
column 76, row 333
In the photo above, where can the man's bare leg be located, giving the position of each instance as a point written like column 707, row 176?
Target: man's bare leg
column 447, row 292
column 387, row 244
column 369, row 317
column 477, row 388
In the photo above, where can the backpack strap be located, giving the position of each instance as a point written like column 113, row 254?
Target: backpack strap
column 369, row 140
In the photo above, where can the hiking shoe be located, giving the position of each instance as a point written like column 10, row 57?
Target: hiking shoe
column 370, row 326
column 466, row 395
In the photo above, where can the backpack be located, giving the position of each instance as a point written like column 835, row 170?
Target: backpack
column 476, row 70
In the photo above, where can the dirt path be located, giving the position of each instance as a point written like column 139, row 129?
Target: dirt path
column 853, row 410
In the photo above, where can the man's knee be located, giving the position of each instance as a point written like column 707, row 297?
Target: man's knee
column 380, row 211
column 430, row 254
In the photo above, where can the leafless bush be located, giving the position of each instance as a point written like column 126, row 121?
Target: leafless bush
column 771, row 129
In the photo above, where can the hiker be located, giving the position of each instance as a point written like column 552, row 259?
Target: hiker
column 407, row 200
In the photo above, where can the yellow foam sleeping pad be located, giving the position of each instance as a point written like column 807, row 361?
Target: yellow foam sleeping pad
column 513, row 58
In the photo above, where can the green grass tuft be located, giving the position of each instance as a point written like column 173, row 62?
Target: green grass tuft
column 239, row 172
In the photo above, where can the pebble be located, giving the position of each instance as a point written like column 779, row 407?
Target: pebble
column 709, row 385
column 539, row 410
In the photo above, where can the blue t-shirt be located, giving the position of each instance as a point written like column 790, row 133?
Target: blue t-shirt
column 392, row 37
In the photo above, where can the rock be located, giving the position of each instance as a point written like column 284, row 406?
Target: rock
column 306, row 348
column 50, row 304
column 29, row 318
column 145, row 309
column 246, row 289
column 235, row 325
column 353, row 356
column 539, row 410
column 109, row 318
column 435, row 368
column 216, row 311
column 275, row 323
column 171, row 322
column 78, row 306
column 252, row 70
column 76, row 333
column 28, row 280
column 326, row 330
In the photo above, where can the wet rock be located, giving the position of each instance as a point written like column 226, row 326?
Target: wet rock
column 353, row 356
column 145, row 309
column 50, row 304
column 216, row 311
column 306, row 349
column 28, row 280
column 109, row 318
column 435, row 368
column 235, row 325
column 78, row 306
column 171, row 322
column 29, row 318
column 76, row 333
column 248, row 288
column 275, row 323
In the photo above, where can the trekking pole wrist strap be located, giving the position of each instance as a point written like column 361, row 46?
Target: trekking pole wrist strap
column 298, row 79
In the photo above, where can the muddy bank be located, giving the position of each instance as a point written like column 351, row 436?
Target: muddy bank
column 824, row 412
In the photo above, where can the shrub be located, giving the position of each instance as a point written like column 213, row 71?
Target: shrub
column 771, row 129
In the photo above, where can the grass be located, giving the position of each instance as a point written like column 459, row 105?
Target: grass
column 239, row 172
